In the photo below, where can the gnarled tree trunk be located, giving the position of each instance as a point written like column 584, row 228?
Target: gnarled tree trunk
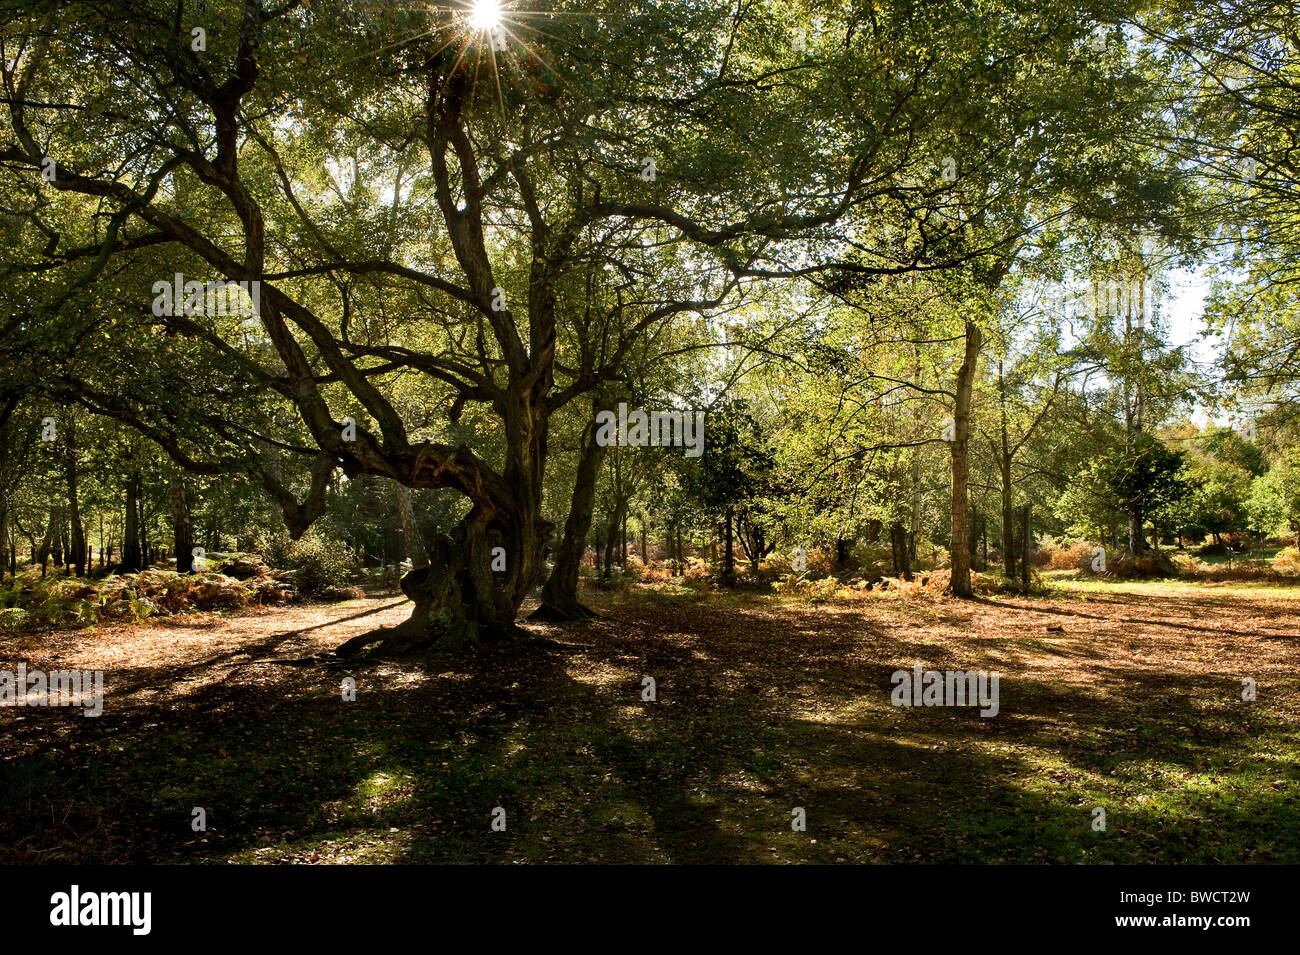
column 460, row 600
column 412, row 542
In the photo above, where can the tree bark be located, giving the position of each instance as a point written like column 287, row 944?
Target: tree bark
column 898, row 545
column 47, row 543
column 1004, row 479
column 459, row 602
column 146, row 552
column 1026, row 547
column 412, row 541
column 611, row 541
column 729, row 550
column 182, row 528
column 5, row 547
column 76, row 540
column 131, row 536
column 960, row 583
column 914, row 531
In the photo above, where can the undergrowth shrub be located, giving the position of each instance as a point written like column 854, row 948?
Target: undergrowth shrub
column 1287, row 561
column 274, row 545
column 1065, row 554
column 14, row 619
column 35, row 603
column 1149, row 566
column 319, row 562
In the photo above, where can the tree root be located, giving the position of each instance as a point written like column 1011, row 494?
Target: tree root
column 554, row 613
column 410, row 637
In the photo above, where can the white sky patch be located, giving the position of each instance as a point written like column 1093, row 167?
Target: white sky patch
column 1185, row 309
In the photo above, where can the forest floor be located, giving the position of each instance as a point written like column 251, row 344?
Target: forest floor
column 1124, row 697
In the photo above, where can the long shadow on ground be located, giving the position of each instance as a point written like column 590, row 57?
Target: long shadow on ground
column 756, row 715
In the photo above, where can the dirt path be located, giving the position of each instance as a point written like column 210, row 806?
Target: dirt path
column 295, row 630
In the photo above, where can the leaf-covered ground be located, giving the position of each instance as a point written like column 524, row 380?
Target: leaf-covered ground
column 1134, row 705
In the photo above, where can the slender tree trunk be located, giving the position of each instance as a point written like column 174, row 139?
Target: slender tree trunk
column 1026, row 545
column 131, row 535
column 560, row 594
column 4, row 503
column 960, row 583
column 47, row 544
column 1004, row 479
column 146, row 555
column 729, row 553
column 4, row 521
column 182, row 528
column 898, row 545
column 1133, row 423
column 1008, row 535
column 610, row 538
column 914, row 536
column 60, row 539
column 613, row 539
column 77, row 544
column 1136, row 542
column 914, row 533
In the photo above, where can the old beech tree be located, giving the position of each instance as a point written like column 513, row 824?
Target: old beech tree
column 502, row 218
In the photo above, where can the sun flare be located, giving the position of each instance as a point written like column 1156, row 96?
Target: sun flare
column 485, row 14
